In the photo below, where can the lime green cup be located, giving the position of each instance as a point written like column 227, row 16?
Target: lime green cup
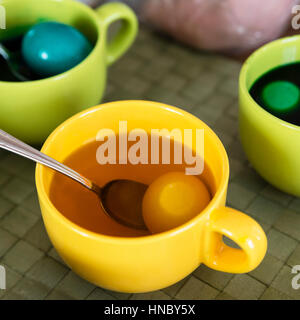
column 271, row 144
column 31, row 110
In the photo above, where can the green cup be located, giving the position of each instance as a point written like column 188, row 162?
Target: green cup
column 272, row 145
column 31, row 110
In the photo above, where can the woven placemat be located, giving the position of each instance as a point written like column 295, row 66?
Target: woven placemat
column 206, row 85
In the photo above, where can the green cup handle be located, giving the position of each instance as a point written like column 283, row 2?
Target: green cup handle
column 109, row 13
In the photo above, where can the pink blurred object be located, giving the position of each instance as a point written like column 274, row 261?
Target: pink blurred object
column 231, row 26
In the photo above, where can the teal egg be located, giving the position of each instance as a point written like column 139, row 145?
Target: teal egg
column 50, row 48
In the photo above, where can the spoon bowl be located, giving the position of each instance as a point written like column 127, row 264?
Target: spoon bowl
column 120, row 199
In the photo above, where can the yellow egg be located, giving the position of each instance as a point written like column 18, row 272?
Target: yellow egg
column 173, row 199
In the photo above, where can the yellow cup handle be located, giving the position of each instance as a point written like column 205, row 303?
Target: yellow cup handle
column 244, row 231
column 110, row 13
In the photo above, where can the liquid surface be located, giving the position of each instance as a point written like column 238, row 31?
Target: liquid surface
column 14, row 46
column 82, row 206
column 63, row 50
column 287, row 111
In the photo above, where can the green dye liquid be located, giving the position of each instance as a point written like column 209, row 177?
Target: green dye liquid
column 278, row 92
column 14, row 46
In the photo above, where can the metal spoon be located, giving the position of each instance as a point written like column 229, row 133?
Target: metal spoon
column 120, row 199
column 18, row 70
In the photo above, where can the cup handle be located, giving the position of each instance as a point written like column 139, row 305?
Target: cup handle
column 244, row 231
column 109, row 13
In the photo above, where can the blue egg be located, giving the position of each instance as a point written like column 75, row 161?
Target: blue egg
column 50, row 48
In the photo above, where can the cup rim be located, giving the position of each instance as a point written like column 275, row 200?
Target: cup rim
column 99, row 43
column 44, row 196
column 244, row 71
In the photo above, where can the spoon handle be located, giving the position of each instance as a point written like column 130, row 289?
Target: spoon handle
column 14, row 145
column 4, row 52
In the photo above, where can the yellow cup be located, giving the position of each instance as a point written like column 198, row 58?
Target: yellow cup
column 271, row 144
column 152, row 262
